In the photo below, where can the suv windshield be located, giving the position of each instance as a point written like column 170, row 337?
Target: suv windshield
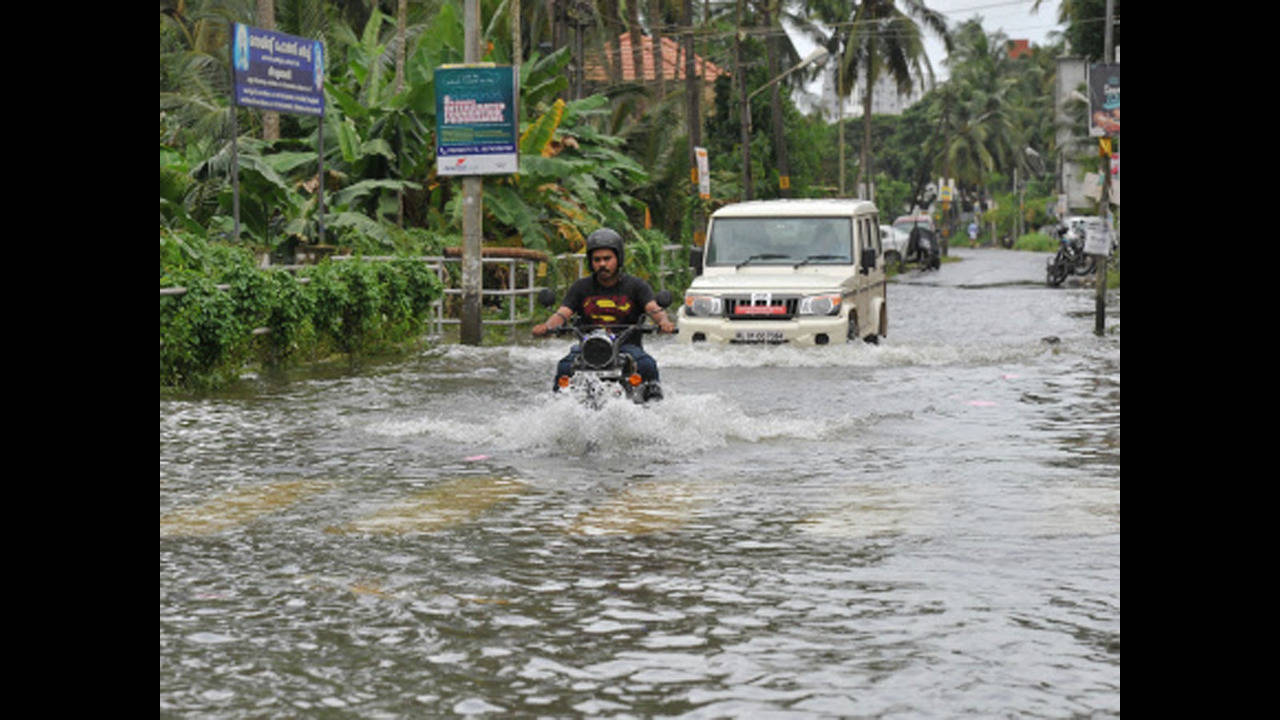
column 780, row 241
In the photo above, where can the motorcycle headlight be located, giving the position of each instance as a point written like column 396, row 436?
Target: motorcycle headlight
column 597, row 350
column 703, row 305
column 820, row 305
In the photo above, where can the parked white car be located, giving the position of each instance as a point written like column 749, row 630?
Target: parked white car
column 806, row 272
column 894, row 243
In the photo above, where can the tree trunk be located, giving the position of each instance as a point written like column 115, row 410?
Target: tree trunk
column 744, row 107
column 655, row 29
column 693, row 122
column 610, row 41
column 402, row 19
column 864, row 165
column 637, row 49
column 266, row 20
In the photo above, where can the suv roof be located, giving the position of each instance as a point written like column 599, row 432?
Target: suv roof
column 795, row 206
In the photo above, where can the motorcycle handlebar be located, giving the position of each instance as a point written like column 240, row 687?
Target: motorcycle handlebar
column 573, row 329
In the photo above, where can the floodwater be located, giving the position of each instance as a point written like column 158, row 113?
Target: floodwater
column 928, row 528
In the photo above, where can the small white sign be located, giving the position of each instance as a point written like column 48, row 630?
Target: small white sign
column 1097, row 237
column 704, row 173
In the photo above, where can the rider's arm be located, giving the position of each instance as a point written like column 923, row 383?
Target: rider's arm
column 659, row 316
column 562, row 312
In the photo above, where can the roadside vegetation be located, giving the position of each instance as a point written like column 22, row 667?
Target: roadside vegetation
column 616, row 156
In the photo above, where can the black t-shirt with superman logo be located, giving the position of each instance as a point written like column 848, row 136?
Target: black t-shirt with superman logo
column 622, row 304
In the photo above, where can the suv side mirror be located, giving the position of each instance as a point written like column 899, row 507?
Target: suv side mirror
column 695, row 259
column 868, row 260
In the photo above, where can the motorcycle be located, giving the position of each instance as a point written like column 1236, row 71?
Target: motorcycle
column 1070, row 258
column 600, row 371
column 922, row 248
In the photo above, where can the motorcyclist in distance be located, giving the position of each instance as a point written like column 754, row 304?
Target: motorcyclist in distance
column 609, row 296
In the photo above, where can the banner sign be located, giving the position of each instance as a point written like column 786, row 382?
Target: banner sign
column 476, row 126
column 704, row 173
column 274, row 71
column 1104, row 100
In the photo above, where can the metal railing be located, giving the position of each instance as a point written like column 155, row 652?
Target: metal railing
column 439, row 264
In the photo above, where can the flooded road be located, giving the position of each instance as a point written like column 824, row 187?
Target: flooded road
column 925, row 528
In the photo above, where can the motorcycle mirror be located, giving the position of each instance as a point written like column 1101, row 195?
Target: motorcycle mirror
column 663, row 298
column 546, row 297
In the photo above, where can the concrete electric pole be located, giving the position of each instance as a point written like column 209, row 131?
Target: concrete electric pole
column 472, row 204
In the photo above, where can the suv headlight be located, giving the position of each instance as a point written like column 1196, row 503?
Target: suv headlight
column 703, row 305
column 820, row 305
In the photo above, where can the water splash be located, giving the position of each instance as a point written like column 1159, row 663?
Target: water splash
column 682, row 423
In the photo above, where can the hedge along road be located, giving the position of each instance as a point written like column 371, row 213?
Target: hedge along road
column 927, row 527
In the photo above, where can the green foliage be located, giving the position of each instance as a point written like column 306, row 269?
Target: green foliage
column 357, row 307
column 1005, row 214
column 647, row 259
column 893, row 197
column 1036, row 241
column 347, row 300
column 202, row 336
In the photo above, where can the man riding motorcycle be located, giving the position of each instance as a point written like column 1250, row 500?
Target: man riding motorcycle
column 608, row 296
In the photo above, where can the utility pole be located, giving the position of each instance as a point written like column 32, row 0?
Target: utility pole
column 774, row 15
column 693, row 115
column 840, row 114
column 744, row 107
column 1104, row 207
column 472, row 199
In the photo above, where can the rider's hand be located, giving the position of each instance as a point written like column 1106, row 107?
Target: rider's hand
column 540, row 329
column 666, row 326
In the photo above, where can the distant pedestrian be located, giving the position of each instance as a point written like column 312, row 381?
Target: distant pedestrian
column 973, row 233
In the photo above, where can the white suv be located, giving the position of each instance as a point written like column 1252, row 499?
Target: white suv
column 807, row 272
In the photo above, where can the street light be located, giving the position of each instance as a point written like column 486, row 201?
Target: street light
column 818, row 55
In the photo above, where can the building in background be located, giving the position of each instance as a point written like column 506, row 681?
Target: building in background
column 673, row 61
column 1072, row 138
column 885, row 99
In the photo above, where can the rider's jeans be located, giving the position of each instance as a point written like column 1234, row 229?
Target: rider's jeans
column 645, row 364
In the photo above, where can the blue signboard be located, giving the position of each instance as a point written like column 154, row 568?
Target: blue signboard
column 476, row 127
column 274, row 71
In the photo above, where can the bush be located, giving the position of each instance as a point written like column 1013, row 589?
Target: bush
column 1038, row 242
column 352, row 306
column 202, row 338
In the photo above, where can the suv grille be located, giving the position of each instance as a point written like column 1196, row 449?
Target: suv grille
column 741, row 307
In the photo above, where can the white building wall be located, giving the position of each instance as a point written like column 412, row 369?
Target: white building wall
column 885, row 99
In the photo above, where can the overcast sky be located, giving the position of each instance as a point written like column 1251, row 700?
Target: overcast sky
column 1013, row 17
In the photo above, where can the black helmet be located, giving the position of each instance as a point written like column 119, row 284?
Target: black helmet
column 605, row 238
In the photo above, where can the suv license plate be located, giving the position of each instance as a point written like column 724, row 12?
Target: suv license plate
column 758, row 335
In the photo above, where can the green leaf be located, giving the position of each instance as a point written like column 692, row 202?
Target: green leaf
column 348, row 139
column 357, row 191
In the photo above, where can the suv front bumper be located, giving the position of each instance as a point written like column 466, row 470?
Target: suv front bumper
column 803, row 330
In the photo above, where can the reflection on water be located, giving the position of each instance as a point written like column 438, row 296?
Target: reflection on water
column 925, row 528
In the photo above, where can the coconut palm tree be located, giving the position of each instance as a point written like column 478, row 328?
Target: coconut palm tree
column 883, row 38
column 982, row 134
